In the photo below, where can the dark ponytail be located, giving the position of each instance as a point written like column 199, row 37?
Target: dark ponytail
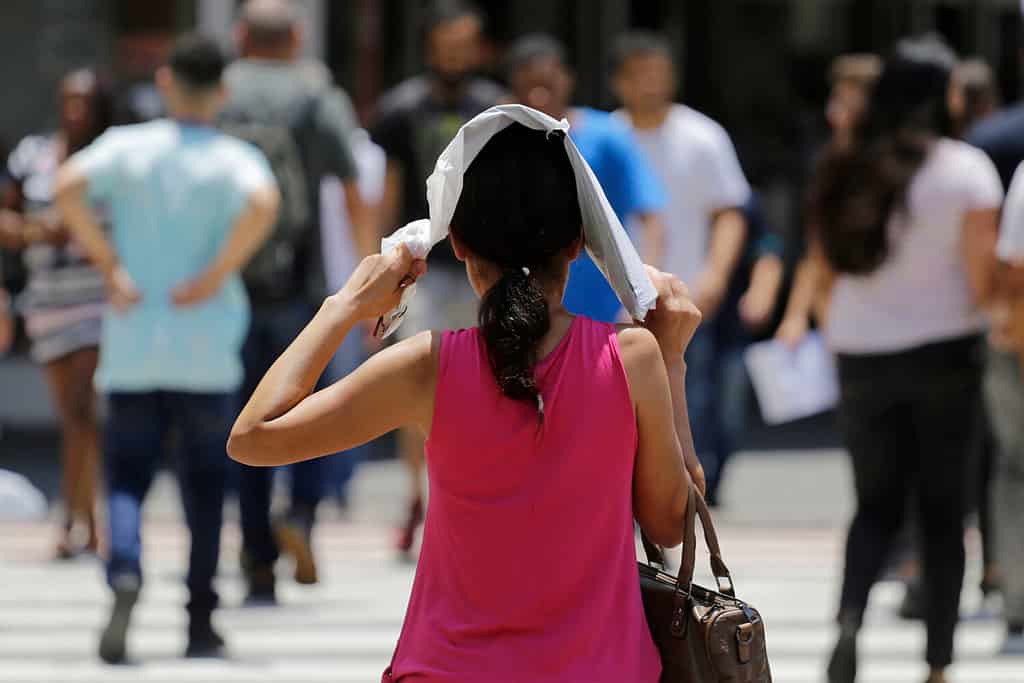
column 518, row 210
column 513, row 320
column 858, row 187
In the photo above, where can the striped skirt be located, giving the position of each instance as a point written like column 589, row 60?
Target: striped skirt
column 60, row 331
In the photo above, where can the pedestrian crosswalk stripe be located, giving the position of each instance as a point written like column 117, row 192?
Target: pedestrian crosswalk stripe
column 344, row 630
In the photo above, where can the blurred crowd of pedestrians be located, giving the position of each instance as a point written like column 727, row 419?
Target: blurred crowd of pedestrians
column 169, row 265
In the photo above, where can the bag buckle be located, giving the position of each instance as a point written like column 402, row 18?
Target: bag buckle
column 744, row 639
column 679, row 622
column 683, row 603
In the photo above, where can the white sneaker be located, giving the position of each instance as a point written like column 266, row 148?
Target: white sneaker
column 1013, row 645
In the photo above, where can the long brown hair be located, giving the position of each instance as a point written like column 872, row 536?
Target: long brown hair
column 859, row 186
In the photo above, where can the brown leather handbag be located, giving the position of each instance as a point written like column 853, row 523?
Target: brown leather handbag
column 703, row 635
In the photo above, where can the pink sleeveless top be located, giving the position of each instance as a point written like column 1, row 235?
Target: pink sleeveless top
column 528, row 568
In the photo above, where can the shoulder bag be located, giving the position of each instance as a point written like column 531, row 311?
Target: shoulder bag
column 703, row 635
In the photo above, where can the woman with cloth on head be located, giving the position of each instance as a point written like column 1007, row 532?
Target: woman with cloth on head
column 65, row 296
column 905, row 218
column 546, row 435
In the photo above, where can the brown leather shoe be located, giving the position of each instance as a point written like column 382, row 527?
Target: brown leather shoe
column 295, row 541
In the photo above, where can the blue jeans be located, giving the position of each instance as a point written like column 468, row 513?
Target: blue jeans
column 136, row 434
column 272, row 329
column 717, row 391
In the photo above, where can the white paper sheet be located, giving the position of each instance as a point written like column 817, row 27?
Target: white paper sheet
column 792, row 383
column 604, row 237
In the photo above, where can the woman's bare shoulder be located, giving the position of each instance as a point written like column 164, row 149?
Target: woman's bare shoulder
column 641, row 355
column 635, row 338
column 420, row 354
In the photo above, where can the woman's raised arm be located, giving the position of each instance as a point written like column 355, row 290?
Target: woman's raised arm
column 283, row 422
column 665, row 459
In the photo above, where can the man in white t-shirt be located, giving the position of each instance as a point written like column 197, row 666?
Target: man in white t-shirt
column 705, row 227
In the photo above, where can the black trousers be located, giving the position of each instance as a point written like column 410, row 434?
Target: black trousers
column 909, row 421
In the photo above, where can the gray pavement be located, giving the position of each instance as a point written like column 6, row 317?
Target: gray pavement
column 781, row 533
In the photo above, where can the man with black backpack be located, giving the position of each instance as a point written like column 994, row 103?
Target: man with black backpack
column 291, row 111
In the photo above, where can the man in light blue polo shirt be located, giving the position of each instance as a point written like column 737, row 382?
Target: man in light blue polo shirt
column 188, row 206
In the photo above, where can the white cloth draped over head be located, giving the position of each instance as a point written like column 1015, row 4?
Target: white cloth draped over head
column 604, row 237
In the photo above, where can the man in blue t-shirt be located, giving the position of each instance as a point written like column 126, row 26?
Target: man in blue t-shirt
column 540, row 78
column 188, row 205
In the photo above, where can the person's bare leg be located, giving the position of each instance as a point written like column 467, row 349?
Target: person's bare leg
column 70, row 381
column 88, row 440
column 411, row 448
column 57, row 373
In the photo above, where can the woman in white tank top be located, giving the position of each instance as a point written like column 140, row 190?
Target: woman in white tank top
column 907, row 219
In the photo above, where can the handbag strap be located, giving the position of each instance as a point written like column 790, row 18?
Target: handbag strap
column 695, row 506
column 718, row 566
column 655, row 555
column 685, row 578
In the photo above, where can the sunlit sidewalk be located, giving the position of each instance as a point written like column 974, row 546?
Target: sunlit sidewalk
column 780, row 534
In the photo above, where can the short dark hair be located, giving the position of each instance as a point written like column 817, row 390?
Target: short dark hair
column 197, row 61
column 442, row 12
column 530, row 48
column 269, row 22
column 635, row 44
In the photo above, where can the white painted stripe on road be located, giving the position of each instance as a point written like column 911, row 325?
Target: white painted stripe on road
column 345, row 629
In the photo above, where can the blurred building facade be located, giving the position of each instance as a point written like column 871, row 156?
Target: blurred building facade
column 756, row 65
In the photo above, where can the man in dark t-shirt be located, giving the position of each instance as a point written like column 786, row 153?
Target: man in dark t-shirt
column 414, row 125
column 418, row 118
column 303, row 123
column 415, row 122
